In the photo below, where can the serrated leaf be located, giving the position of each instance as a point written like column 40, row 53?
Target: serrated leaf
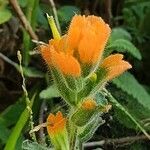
column 126, row 112
column 122, row 45
column 29, row 145
column 137, row 111
column 49, row 93
column 5, row 15
column 130, row 85
column 86, row 132
column 120, row 33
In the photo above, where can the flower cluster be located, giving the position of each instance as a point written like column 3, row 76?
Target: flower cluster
column 79, row 70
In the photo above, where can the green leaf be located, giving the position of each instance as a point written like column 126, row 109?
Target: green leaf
column 4, row 132
column 137, row 111
column 66, row 93
column 139, row 145
column 122, row 45
column 50, row 92
column 29, row 145
column 32, row 72
column 120, row 33
column 86, row 132
column 41, row 19
column 65, row 13
column 23, row 3
column 15, row 134
column 19, row 142
column 126, row 112
column 5, row 15
column 82, row 116
column 130, row 85
column 11, row 114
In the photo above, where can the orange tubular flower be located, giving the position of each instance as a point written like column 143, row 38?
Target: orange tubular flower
column 56, row 124
column 88, row 35
column 84, row 42
column 54, row 56
column 89, row 104
column 115, row 65
column 66, row 63
column 56, row 127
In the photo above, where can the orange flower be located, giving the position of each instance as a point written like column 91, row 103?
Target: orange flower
column 54, row 56
column 66, row 63
column 59, row 44
column 115, row 65
column 88, row 35
column 89, row 104
column 45, row 52
column 84, row 42
column 56, row 124
column 56, row 127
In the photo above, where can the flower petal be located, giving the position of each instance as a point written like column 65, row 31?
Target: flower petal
column 115, row 65
column 66, row 63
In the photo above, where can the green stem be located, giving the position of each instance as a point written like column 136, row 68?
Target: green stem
column 73, row 137
column 117, row 104
column 72, row 131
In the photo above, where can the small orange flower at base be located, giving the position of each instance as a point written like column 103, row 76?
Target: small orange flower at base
column 56, row 127
column 88, row 104
column 115, row 66
column 55, row 123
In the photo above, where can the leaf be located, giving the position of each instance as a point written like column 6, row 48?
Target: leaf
column 23, row 3
column 137, row 111
column 19, row 142
column 139, row 145
column 130, row 85
column 4, row 132
column 5, row 15
column 126, row 112
column 86, row 132
column 65, row 13
column 10, row 114
column 41, row 19
column 32, row 72
column 49, row 93
column 15, row 134
column 29, row 145
column 122, row 45
column 28, row 71
column 120, row 33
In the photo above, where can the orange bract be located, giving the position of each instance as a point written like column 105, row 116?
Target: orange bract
column 58, row 44
column 66, row 63
column 89, row 36
column 115, row 65
column 45, row 52
column 54, row 55
column 89, row 104
column 55, row 124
